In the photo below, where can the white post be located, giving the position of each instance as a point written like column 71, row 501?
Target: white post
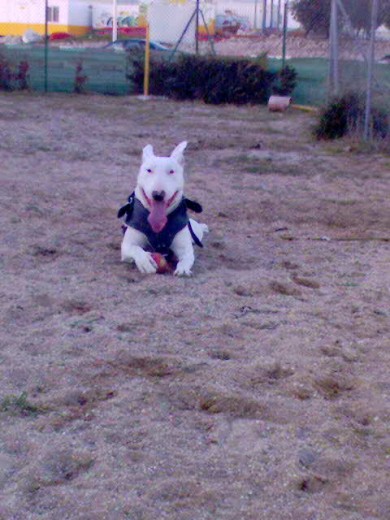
column 114, row 21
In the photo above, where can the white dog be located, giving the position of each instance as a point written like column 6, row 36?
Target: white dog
column 156, row 215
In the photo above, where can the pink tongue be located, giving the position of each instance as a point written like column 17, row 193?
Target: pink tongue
column 157, row 217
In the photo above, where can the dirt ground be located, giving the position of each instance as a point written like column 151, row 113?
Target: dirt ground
column 299, row 47
column 256, row 389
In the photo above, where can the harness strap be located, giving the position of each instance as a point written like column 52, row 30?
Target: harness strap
column 194, row 237
column 193, row 205
column 127, row 209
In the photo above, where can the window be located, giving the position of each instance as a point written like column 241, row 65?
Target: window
column 53, row 14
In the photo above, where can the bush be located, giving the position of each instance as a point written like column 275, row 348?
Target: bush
column 286, row 81
column 213, row 80
column 11, row 79
column 345, row 115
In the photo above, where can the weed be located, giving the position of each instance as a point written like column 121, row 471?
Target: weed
column 14, row 80
column 18, row 405
column 80, row 79
column 344, row 115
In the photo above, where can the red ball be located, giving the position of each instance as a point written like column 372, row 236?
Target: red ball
column 162, row 264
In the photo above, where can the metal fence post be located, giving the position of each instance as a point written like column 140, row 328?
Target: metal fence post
column 197, row 28
column 285, row 22
column 264, row 22
column 370, row 65
column 334, row 84
column 46, row 59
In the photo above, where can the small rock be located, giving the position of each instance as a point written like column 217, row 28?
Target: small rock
column 307, row 457
column 349, row 355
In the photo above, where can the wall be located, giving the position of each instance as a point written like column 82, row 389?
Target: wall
column 247, row 9
column 19, row 15
column 127, row 13
column 168, row 20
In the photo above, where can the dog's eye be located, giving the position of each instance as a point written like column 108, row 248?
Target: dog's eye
column 149, row 170
column 171, row 171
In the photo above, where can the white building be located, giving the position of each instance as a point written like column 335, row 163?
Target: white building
column 76, row 17
column 167, row 18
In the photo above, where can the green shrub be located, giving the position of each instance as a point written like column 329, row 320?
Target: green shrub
column 286, row 81
column 345, row 115
column 213, row 80
column 11, row 79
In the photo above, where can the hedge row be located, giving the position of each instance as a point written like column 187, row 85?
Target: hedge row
column 213, row 80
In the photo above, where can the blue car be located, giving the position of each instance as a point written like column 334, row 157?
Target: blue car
column 135, row 44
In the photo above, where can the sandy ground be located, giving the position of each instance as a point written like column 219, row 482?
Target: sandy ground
column 300, row 47
column 297, row 46
column 256, row 389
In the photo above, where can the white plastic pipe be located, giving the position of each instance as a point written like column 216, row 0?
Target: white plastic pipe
column 114, row 21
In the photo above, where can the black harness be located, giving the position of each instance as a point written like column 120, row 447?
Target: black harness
column 136, row 216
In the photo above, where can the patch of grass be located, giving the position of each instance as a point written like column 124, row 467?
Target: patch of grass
column 19, row 405
column 345, row 115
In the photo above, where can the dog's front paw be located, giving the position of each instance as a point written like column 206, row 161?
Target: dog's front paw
column 182, row 270
column 145, row 263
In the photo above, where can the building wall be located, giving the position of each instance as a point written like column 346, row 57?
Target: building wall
column 254, row 12
column 80, row 13
column 17, row 16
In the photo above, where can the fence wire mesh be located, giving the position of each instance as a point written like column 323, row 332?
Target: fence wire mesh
column 335, row 45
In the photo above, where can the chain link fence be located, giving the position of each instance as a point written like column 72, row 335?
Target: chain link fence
column 335, row 45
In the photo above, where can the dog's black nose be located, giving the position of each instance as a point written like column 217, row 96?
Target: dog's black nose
column 158, row 196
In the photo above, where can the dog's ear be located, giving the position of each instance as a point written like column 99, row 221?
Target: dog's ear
column 147, row 152
column 177, row 153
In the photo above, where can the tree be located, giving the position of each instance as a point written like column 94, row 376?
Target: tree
column 359, row 12
column 314, row 15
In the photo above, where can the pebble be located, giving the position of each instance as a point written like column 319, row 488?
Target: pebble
column 307, row 457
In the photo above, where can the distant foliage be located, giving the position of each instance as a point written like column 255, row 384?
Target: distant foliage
column 314, row 15
column 359, row 12
column 12, row 78
column 213, row 80
column 345, row 115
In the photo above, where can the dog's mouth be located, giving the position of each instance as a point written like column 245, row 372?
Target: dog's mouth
column 158, row 211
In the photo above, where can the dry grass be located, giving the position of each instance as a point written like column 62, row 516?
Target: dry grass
column 256, row 388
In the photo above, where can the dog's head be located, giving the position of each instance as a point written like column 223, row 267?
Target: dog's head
column 160, row 184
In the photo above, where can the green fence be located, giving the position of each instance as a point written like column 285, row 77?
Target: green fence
column 312, row 81
column 104, row 72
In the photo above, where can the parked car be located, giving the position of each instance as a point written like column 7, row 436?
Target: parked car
column 135, row 44
column 227, row 24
